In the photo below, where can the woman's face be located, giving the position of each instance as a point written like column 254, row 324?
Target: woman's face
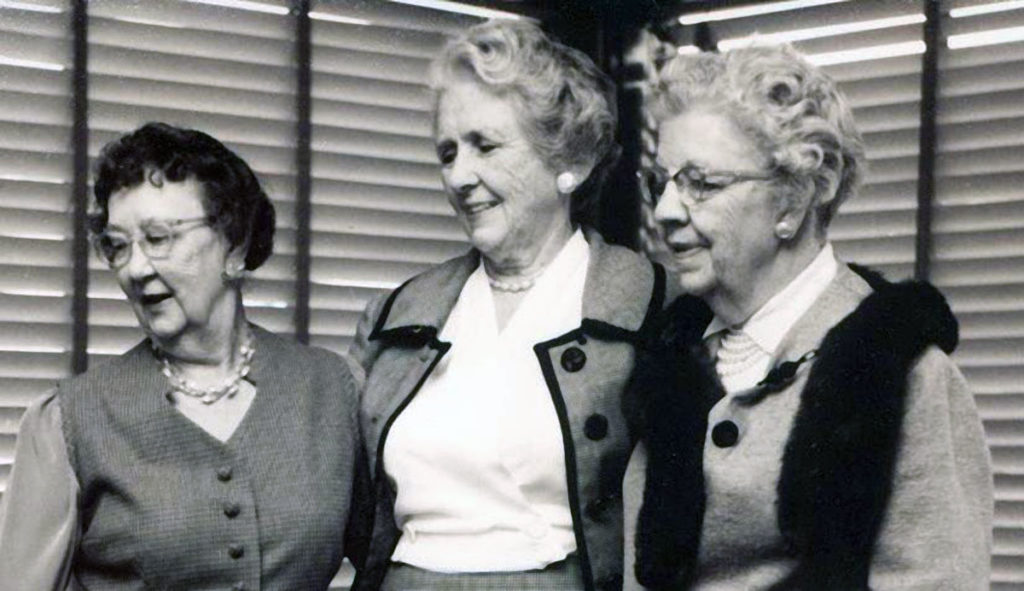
column 502, row 191
column 184, row 291
column 723, row 245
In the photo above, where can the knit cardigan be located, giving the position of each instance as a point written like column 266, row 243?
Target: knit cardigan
column 841, row 459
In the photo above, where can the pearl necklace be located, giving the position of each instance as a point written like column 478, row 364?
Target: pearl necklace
column 210, row 395
column 512, row 286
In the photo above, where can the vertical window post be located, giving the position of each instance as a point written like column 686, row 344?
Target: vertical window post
column 927, row 137
column 80, row 187
column 303, row 160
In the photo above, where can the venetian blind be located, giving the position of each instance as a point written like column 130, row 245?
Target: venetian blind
column 872, row 49
column 978, row 258
column 379, row 215
column 35, row 208
column 225, row 71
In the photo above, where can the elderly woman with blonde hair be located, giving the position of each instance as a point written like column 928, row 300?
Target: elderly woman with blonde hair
column 801, row 425
column 493, row 404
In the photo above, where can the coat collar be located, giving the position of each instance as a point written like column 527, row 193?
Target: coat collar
column 840, row 298
column 420, row 307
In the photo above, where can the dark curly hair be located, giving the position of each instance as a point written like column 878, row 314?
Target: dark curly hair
column 232, row 195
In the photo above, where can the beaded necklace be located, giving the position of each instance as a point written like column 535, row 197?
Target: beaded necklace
column 210, row 395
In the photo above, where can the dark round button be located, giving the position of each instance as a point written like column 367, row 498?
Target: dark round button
column 573, row 359
column 596, row 427
column 224, row 473
column 594, row 508
column 232, row 510
column 236, row 551
column 725, row 434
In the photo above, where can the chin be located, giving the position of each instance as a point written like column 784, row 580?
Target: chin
column 696, row 282
column 486, row 239
column 164, row 327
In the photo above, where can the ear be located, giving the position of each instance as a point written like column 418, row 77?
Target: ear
column 234, row 263
column 795, row 211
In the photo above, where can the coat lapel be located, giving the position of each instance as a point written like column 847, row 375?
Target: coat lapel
column 839, row 299
column 425, row 301
column 610, row 304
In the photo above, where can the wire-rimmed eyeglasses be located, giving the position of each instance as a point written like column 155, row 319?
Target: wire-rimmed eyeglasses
column 702, row 184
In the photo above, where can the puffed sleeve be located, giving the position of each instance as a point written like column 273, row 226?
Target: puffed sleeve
column 39, row 524
column 937, row 533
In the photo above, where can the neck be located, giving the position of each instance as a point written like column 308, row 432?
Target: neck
column 529, row 262
column 214, row 344
column 789, row 261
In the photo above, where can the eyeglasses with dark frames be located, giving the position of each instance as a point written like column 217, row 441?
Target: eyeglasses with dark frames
column 701, row 185
column 156, row 238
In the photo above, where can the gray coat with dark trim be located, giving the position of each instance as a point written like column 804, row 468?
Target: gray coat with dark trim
column 586, row 371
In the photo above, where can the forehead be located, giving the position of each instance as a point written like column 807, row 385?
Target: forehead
column 708, row 138
column 133, row 206
column 466, row 106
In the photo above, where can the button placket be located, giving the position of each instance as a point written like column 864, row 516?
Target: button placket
column 232, row 510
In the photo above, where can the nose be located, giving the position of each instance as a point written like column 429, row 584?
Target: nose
column 138, row 266
column 671, row 209
column 461, row 175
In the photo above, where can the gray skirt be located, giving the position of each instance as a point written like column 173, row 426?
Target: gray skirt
column 564, row 575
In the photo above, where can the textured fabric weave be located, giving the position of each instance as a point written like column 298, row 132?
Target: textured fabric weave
column 165, row 505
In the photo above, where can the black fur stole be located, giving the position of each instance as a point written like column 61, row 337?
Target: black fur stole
column 839, row 459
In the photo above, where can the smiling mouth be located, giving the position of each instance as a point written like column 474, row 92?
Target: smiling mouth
column 475, row 208
column 684, row 250
column 150, row 300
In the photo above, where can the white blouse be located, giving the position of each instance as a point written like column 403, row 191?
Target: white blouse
column 764, row 330
column 477, row 458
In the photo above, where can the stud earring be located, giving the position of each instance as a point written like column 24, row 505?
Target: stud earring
column 232, row 273
column 566, row 182
column 784, row 231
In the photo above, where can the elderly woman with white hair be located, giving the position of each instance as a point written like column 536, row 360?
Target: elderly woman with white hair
column 801, row 425
column 492, row 412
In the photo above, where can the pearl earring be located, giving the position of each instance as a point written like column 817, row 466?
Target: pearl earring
column 783, row 231
column 566, row 182
column 231, row 273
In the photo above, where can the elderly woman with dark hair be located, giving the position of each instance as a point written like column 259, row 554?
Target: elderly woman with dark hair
column 492, row 410
column 213, row 454
column 801, row 425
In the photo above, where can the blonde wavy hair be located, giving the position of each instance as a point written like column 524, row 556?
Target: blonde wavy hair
column 567, row 105
column 791, row 108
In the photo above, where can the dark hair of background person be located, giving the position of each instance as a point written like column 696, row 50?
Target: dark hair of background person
column 232, row 195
